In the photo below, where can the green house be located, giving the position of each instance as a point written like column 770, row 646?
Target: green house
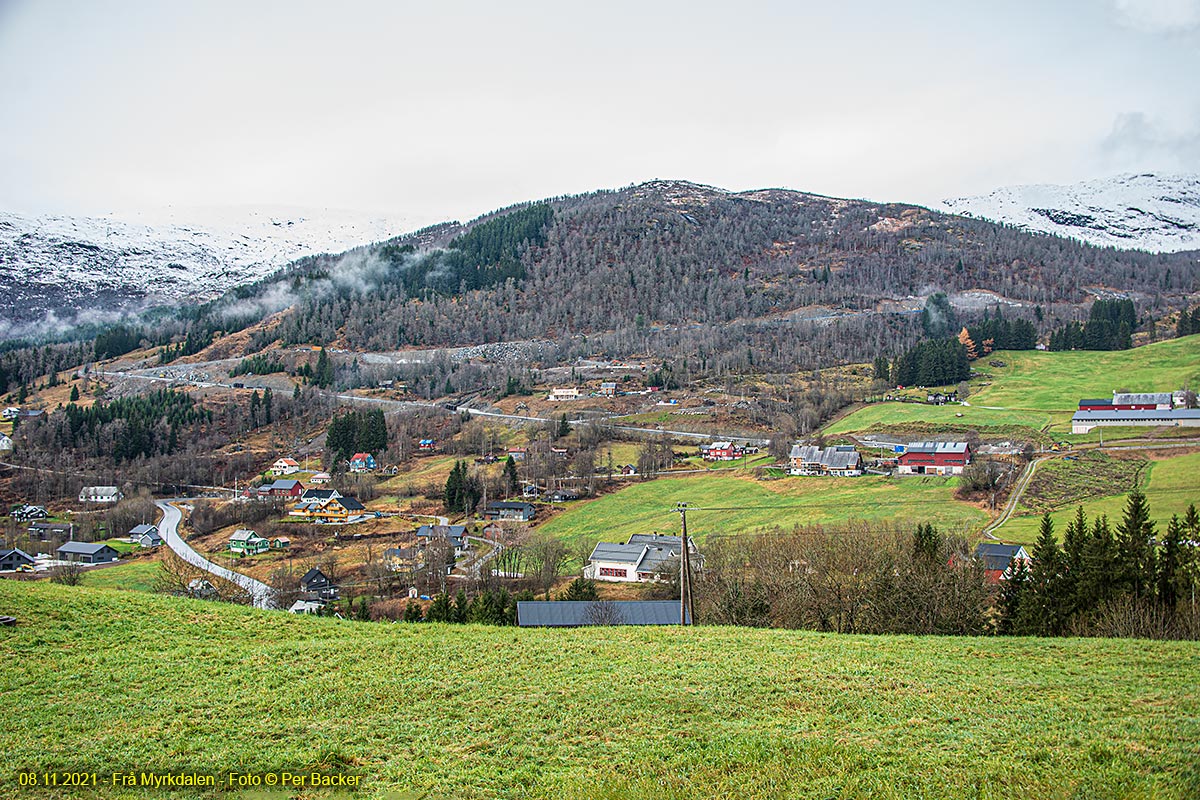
column 248, row 543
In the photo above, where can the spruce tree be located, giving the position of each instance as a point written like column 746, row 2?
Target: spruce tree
column 1135, row 553
column 1170, row 563
column 510, row 475
column 564, row 427
column 1013, row 591
column 1041, row 613
column 460, row 606
column 1074, row 543
column 1097, row 582
column 440, row 610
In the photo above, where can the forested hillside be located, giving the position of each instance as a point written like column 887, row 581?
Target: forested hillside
column 630, row 262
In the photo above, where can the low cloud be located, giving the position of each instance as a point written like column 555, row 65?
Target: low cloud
column 1138, row 142
column 1158, row 16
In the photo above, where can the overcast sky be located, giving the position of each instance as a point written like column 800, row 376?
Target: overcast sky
column 445, row 110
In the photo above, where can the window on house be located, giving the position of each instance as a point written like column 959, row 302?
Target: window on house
column 613, row 572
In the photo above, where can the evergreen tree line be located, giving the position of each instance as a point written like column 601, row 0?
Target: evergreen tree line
column 1189, row 323
column 137, row 426
column 1004, row 334
column 938, row 362
column 1110, row 326
column 463, row 489
column 258, row 364
column 1076, row 587
column 356, row 432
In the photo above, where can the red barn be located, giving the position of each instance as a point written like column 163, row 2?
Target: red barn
column 934, row 458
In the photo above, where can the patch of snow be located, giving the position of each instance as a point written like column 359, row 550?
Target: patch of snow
column 1158, row 213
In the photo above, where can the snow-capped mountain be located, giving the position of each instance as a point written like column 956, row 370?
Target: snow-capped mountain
column 56, row 268
column 1159, row 213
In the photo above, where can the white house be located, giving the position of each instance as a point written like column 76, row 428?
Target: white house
column 6, row 444
column 560, row 393
column 638, row 560
column 285, row 466
column 100, row 494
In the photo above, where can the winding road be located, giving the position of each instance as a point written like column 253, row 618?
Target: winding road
column 168, row 528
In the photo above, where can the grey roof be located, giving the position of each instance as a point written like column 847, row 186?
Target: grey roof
column 351, row 504
column 138, row 530
column 6, row 553
column 1095, row 402
column 1166, row 414
column 441, row 531
column 93, row 490
column 997, row 556
column 643, row 557
column 283, row 484
column 84, row 548
column 1141, row 398
column 571, row 613
column 832, row 458
column 511, row 506
column 401, row 552
column 937, row 447
column 245, row 535
column 319, row 494
column 656, row 539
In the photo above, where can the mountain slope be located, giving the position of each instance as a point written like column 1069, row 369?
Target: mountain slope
column 1157, row 213
column 68, row 266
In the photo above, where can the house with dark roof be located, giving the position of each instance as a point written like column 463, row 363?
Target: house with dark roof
column 510, row 510
column 45, row 531
column 87, row 552
column 317, row 583
column 10, row 560
column 320, row 494
column 455, row 535
column 996, row 558
column 577, row 614
column 145, row 535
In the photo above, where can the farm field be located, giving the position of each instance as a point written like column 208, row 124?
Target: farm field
column 646, row 507
column 512, row 713
column 1035, row 388
column 1170, row 484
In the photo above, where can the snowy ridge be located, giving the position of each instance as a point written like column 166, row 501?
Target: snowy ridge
column 1158, row 213
column 62, row 265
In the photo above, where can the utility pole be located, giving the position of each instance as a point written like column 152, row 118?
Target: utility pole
column 686, row 616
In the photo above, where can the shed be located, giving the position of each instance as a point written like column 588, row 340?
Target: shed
column 576, row 614
column 87, row 552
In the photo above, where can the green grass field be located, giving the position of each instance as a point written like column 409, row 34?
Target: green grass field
column 96, row 680
column 646, row 507
column 1170, row 485
column 135, row 576
column 1037, row 388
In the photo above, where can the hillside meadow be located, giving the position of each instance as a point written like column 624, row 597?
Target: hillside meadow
column 100, row 680
column 729, row 502
column 1037, row 388
column 1170, row 484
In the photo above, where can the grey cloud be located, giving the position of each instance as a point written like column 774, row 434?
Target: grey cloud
column 1158, row 16
column 1138, row 142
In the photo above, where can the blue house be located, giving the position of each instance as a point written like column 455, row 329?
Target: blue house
column 362, row 462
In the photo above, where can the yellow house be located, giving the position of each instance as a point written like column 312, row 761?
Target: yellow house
column 332, row 509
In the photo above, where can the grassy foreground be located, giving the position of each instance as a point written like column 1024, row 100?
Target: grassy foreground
column 101, row 680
